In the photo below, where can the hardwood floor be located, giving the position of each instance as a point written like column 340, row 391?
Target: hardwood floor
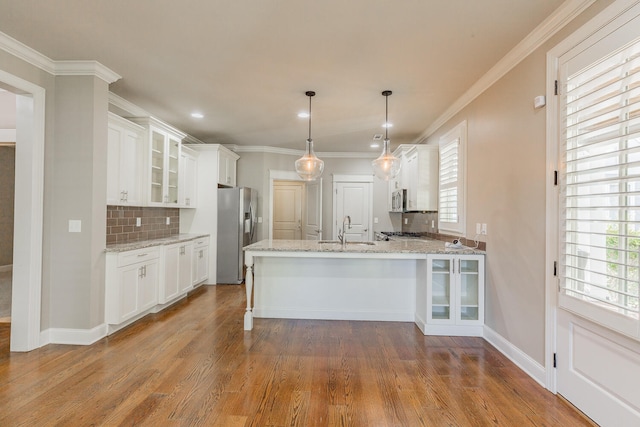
column 194, row 365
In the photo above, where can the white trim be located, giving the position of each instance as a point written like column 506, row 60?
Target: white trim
column 351, row 178
column 86, row 68
column 24, row 52
column 517, row 356
column 294, row 152
column 57, row 68
column 551, row 243
column 550, row 26
column 74, row 336
column 27, row 253
column 123, row 104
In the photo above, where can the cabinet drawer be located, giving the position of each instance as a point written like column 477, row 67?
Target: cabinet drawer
column 138, row 255
column 200, row 243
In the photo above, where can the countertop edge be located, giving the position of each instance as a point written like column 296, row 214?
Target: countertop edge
column 163, row 241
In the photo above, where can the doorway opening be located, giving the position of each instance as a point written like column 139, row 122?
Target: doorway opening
column 295, row 207
column 26, row 270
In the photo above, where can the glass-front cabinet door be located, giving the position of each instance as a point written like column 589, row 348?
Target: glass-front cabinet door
column 455, row 289
column 439, row 293
column 469, row 289
column 157, row 167
column 173, row 162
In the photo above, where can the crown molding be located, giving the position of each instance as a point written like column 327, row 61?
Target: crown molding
column 56, row 68
column 86, row 68
column 543, row 32
column 294, row 152
column 129, row 107
column 27, row 54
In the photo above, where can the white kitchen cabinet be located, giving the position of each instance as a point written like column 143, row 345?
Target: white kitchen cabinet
column 125, row 154
column 164, row 145
column 177, row 270
column 422, row 178
column 227, row 160
column 131, row 283
column 188, row 178
column 418, row 175
column 455, row 294
column 200, row 262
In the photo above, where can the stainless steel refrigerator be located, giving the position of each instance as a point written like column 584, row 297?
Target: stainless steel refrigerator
column 236, row 228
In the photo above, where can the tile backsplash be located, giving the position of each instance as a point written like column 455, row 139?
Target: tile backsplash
column 421, row 223
column 121, row 223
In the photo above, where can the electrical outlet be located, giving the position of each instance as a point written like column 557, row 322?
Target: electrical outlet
column 138, row 222
column 406, row 220
column 484, row 229
column 168, row 220
column 375, row 220
column 433, row 223
column 75, row 226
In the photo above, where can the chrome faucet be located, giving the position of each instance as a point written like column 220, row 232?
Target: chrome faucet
column 341, row 233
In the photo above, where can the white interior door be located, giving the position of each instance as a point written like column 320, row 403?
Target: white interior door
column 287, row 210
column 312, row 224
column 353, row 199
column 597, row 329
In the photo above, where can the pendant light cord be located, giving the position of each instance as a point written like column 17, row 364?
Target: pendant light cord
column 310, row 116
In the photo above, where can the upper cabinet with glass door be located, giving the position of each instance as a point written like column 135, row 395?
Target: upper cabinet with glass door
column 163, row 173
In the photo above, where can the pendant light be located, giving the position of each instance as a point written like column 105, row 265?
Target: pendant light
column 309, row 167
column 387, row 166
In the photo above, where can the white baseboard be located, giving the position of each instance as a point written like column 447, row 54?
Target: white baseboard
column 517, row 356
column 73, row 336
column 4, row 268
column 277, row 313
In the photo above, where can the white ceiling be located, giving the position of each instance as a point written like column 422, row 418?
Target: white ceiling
column 247, row 64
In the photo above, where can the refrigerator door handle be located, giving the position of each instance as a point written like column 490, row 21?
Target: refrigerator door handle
column 251, row 226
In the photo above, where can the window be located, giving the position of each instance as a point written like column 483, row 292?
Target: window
column 600, row 191
column 451, row 195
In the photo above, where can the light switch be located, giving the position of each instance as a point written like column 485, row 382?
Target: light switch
column 259, row 220
column 478, row 228
column 138, row 222
column 75, row 226
column 375, row 220
column 406, row 220
column 484, row 229
column 168, row 220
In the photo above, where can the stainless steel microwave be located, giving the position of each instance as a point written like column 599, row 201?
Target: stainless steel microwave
column 399, row 200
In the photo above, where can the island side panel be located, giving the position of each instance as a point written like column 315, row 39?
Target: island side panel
column 335, row 288
column 248, row 280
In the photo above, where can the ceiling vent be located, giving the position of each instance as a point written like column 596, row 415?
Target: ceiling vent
column 377, row 137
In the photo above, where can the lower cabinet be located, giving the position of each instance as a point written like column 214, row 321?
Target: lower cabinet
column 132, row 283
column 176, row 280
column 200, row 260
column 455, row 294
column 141, row 281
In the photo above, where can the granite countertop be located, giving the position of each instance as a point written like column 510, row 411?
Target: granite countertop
column 408, row 246
column 176, row 238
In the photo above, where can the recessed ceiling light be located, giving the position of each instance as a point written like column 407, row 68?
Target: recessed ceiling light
column 197, row 115
column 387, row 125
column 374, row 145
column 303, row 115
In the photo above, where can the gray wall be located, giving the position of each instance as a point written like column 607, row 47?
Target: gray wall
column 253, row 171
column 74, row 188
column 506, row 189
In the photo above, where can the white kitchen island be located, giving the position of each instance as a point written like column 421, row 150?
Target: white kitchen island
column 384, row 281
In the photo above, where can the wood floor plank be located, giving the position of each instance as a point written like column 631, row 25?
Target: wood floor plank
column 194, row 365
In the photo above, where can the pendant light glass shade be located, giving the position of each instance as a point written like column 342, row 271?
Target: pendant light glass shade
column 309, row 166
column 387, row 166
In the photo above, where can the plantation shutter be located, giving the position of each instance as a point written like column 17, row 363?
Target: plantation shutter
column 449, row 181
column 600, row 183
